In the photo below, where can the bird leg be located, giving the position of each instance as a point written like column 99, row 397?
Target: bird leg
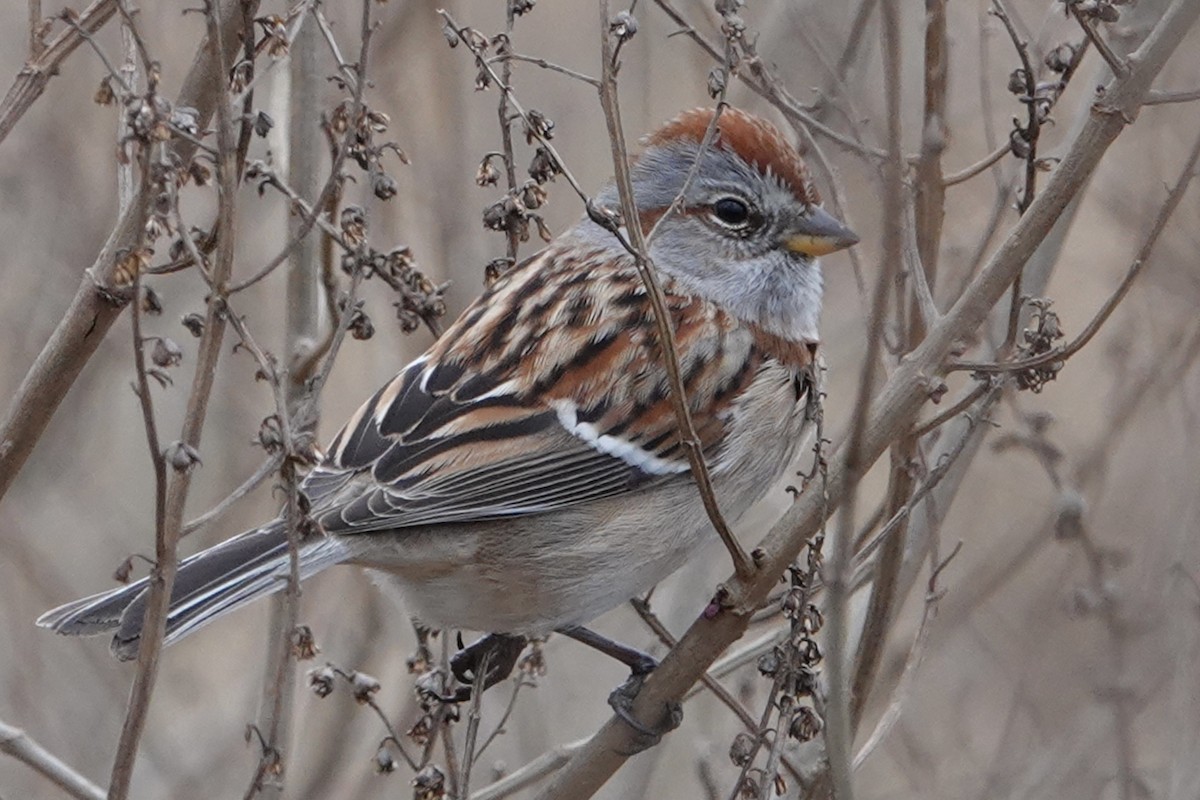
column 621, row 700
column 496, row 654
column 639, row 663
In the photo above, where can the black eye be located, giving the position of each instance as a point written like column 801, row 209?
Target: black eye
column 731, row 211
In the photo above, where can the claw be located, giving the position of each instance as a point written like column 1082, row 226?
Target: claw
column 621, row 701
column 500, row 651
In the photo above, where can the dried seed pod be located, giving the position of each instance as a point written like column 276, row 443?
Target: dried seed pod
column 361, row 327
column 742, row 750
column 377, row 121
column 194, row 323
column 263, row 123
column 1018, row 81
column 533, row 663
column 624, row 26
column 537, row 126
column 1059, row 59
column 429, row 784
column 496, row 269
column 322, row 681
column 768, row 663
column 166, row 353
column 487, row 174
column 421, row 730
column 532, row 195
column 270, row 435
column 199, row 172
column 304, row 644
column 806, row 725
column 104, row 92
column 354, row 224
column 384, row 186
column 543, row 167
column 181, row 456
column 502, row 45
column 717, row 80
column 130, row 263
column 364, row 686
column 475, row 39
column 384, row 762
column 151, row 301
column 419, row 662
column 121, row 573
column 495, row 218
column 186, row 119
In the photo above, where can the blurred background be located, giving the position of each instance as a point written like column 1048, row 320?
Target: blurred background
column 1055, row 667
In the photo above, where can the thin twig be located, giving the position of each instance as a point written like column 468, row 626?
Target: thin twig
column 530, row 773
column 294, row 20
column 31, row 81
column 787, row 711
column 912, row 663
column 893, row 410
column 36, row 44
column 965, row 174
column 18, row 744
column 98, row 300
column 482, row 62
column 265, row 470
column 506, row 140
column 962, row 404
column 665, row 329
column 764, row 83
column 474, row 716
column 643, row 610
column 307, row 220
column 935, row 476
column 169, row 528
column 1174, row 197
column 839, row 717
column 1115, row 63
column 162, row 575
column 518, row 683
column 547, row 65
column 1160, row 97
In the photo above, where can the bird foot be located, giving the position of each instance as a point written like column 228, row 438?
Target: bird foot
column 647, row 736
column 496, row 654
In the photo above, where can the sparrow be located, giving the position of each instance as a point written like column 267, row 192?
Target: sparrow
column 526, row 473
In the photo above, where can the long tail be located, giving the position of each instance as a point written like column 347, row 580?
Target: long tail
column 207, row 585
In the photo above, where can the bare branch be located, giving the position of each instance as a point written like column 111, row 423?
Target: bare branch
column 978, row 167
column 98, row 301
column 1119, row 67
column 18, row 744
column 1159, row 97
column 264, row 471
column 911, row 664
column 222, row 36
column 666, row 334
column 1058, row 354
column 44, row 64
column 892, row 412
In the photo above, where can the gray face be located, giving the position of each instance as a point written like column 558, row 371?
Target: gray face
column 727, row 242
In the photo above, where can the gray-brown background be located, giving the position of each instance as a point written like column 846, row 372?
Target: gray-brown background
column 1015, row 695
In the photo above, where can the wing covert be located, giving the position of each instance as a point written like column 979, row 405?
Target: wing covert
column 548, row 392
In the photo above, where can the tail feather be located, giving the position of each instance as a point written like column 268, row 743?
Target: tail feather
column 207, row 585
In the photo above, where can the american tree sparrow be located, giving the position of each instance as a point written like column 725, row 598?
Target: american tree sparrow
column 525, row 474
